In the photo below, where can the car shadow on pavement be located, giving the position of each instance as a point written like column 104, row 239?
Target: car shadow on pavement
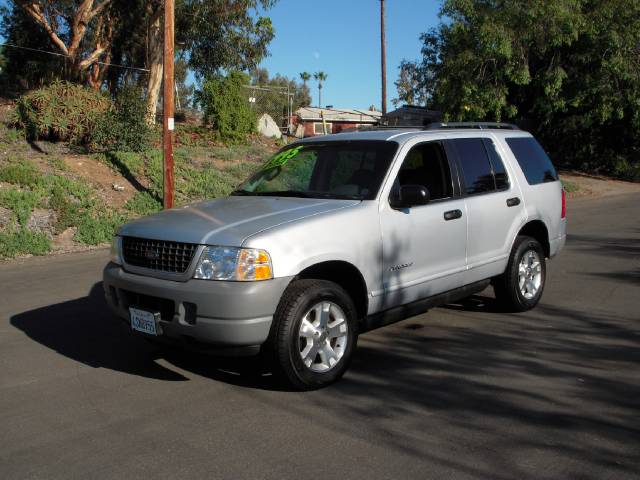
column 85, row 330
column 554, row 379
column 476, row 303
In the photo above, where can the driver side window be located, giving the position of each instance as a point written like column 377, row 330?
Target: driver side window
column 426, row 164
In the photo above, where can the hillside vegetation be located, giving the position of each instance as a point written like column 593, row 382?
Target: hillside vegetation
column 55, row 199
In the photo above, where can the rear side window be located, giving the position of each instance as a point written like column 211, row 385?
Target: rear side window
column 476, row 169
column 499, row 172
column 533, row 160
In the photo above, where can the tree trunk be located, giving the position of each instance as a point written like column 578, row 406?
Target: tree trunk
column 84, row 14
column 154, row 39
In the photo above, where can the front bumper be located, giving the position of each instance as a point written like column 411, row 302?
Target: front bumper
column 217, row 313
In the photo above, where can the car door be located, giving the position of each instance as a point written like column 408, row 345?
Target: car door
column 423, row 247
column 493, row 203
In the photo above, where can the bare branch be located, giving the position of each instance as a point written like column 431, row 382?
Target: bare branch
column 79, row 26
column 95, row 55
column 34, row 9
column 98, row 10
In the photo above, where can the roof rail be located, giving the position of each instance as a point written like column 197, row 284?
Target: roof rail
column 478, row 125
column 389, row 127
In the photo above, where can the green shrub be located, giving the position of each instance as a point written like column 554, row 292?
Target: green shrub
column 20, row 202
column 143, row 203
column 194, row 136
column 225, row 105
column 23, row 173
column 626, row 169
column 94, row 229
column 81, row 192
column 22, row 242
column 61, row 111
column 13, row 135
column 153, row 170
column 124, row 128
column 68, row 212
column 203, row 184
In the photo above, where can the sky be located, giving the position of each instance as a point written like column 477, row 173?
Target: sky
column 342, row 38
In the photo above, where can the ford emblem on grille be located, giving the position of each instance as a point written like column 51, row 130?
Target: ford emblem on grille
column 151, row 254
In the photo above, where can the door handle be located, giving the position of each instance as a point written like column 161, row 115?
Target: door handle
column 512, row 202
column 452, row 214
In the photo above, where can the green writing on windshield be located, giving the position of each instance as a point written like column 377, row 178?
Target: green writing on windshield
column 282, row 158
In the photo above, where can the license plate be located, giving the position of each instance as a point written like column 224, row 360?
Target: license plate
column 144, row 321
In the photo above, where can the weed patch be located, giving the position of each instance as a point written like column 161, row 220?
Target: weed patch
column 58, row 164
column 24, row 174
column 569, row 187
column 143, row 203
column 241, row 171
column 13, row 135
column 94, row 229
column 23, row 242
column 20, row 202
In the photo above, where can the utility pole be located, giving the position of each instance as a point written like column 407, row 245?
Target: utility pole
column 383, row 59
column 167, row 98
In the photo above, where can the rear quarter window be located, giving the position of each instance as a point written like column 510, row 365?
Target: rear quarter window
column 533, row 160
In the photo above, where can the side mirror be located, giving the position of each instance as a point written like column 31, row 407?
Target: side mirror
column 410, row 196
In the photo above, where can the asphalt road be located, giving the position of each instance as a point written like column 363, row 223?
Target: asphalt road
column 460, row 392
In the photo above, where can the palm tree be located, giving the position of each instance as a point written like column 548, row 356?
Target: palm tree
column 320, row 77
column 305, row 77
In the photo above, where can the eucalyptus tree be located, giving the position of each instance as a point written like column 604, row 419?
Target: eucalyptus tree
column 80, row 30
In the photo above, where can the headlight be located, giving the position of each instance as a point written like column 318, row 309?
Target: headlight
column 115, row 251
column 231, row 263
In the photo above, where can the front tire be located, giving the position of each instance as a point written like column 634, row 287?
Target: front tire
column 520, row 287
column 314, row 333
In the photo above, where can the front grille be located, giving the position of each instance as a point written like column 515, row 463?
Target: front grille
column 161, row 255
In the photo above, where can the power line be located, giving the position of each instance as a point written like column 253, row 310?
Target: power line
column 67, row 56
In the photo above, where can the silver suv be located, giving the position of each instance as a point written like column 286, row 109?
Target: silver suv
column 338, row 234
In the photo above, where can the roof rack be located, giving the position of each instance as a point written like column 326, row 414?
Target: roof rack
column 478, row 125
column 389, row 127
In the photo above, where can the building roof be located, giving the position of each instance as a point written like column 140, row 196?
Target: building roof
column 411, row 115
column 338, row 115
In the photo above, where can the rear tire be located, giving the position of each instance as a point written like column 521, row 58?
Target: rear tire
column 521, row 285
column 314, row 333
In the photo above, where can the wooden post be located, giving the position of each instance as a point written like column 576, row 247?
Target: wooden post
column 168, row 121
column 383, row 59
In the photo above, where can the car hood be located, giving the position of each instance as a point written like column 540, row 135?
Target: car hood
column 228, row 221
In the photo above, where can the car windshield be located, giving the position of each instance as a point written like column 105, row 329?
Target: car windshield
column 341, row 170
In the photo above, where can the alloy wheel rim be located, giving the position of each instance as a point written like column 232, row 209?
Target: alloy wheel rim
column 323, row 336
column 530, row 274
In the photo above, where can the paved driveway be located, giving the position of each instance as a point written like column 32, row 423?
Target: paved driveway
column 460, row 392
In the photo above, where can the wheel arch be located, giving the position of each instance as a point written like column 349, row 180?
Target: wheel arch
column 345, row 274
column 538, row 230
